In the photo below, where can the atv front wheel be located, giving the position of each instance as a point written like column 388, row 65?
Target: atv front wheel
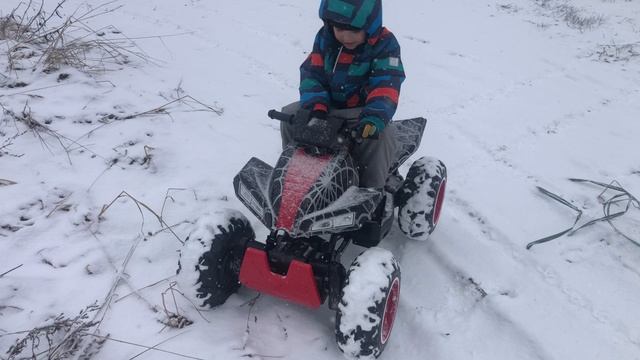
column 421, row 197
column 211, row 256
column 369, row 303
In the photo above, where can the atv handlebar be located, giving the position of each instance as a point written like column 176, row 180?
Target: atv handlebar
column 277, row 115
column 332, row 133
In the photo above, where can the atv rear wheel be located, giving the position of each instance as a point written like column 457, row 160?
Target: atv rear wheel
column 211, row 256
column 369, row 303
column 421, row 197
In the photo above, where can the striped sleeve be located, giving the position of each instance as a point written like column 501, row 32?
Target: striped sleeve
column 383, row 90
column 313, row 82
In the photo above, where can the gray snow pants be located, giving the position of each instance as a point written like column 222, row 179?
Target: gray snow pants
column 373, row 157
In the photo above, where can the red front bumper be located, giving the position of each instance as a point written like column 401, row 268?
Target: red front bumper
column 298, row 286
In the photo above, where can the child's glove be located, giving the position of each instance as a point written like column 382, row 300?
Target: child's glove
column 367, row 129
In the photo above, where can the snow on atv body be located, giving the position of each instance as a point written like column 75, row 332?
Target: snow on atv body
column 313, row 189
column 314, row 208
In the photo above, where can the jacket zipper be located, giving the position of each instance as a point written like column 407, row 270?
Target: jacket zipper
column 337, row 58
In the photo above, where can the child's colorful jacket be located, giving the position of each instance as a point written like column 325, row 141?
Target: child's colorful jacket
column 369, row 76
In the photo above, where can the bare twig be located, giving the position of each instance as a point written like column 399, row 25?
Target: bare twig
column 167, row 196
column 139, row 205
column 160, row 110
column 261, row 356
column 137, row 291
column 60, row 205
column 247, row 331
column 622, row 196
column 6, row 272
column 147, row 347
column 566, row 231
column 154, row 347
column 190, row 302
column 5, row 182
column 8, row 142
column 170, row 227
column 33, row 90
column 109, row 166
column 284, row 328
column 175, row 304
column 37, row 128
column 174, row 319
column 120, row 277
column 182, row 100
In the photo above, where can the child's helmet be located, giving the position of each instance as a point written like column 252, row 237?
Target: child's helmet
column 356, row 14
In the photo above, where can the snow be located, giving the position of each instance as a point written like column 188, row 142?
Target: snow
column 358, row 294
column 517, row 96
column 199, row 241
column 369, row 280
column 417, row 218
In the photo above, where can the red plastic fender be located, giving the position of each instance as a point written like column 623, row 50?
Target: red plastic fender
column 298, row 286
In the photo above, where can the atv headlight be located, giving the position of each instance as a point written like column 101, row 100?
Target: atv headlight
column 251, row 201
column 347, row 219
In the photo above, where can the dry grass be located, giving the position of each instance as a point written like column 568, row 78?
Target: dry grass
column 10, row 28
column 44, row 133
column 64, row 338
column 576, row 18
column 618, row 52
column 48, row 41
column 73, row 338
column 573, row 16
column 41, row 131
column 7, row 142
column 140, row 206
column 173, row 317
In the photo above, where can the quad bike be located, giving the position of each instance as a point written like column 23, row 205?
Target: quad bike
column 314, row 209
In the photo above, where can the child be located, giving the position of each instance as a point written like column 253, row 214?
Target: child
column 354, row 72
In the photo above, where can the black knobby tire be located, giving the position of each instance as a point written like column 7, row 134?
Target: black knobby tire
column 421, row 197
column 211, row 257
column 367, row 310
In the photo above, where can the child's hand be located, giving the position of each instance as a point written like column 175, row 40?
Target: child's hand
column 367, row 130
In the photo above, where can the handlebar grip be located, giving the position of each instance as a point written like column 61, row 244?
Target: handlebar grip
column 277, row 115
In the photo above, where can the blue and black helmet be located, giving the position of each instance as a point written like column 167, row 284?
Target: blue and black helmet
column 353, row 14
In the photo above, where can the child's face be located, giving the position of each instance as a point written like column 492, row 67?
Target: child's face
column 349, row 38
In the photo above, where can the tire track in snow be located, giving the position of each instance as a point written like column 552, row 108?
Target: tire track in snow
column 551, row 278
column 462, row 301
column 549, row 128
column 573, row 296
column 547, row 275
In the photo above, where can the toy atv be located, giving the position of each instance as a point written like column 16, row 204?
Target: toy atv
column 314, row 209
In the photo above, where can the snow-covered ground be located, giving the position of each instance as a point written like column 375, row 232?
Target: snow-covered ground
column 518, row 94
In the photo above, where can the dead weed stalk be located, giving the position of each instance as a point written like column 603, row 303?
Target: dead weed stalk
column 611, row 53
column 140, row 205
column 173, row 318
column 41, row 131
column 64, row 338
column 38, row 39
